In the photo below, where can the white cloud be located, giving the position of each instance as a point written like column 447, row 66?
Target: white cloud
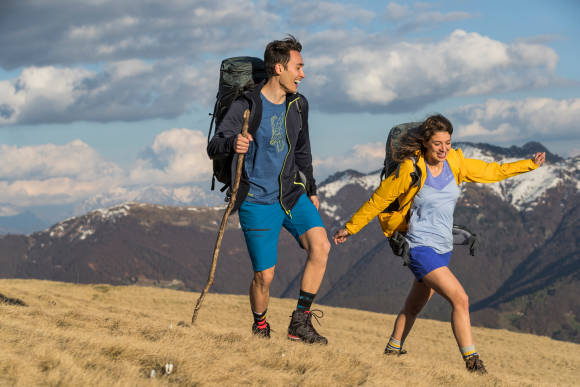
column 362, row 158
column 40, row 92
column 53, row 174
column 75, row 160
column 99, row 31
column 396, row 11
column 177, row 156
column 521, row 120
column 71, row 173
column 376, row 76
column 325, row 12
column 158, row 60
column 127, row 90
column 420, row 16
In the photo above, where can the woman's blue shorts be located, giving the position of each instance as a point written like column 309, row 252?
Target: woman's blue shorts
column 424, row 260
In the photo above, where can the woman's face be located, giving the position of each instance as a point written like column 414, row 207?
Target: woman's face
column 437, row 147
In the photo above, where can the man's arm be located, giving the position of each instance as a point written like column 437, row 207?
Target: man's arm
column 225, row 140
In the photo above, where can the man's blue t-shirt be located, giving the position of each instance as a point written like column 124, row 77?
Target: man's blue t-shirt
column 266, row 154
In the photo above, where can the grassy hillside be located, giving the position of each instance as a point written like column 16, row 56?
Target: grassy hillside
column 106, row 335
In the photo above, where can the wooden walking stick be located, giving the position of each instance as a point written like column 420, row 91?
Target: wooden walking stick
column 229, row 208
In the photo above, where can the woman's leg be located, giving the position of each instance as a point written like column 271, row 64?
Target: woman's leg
column 447, row 285
column 418, row 297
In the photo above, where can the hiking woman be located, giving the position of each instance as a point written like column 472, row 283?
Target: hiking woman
column 425, row 218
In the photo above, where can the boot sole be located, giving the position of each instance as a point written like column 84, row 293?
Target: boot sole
column 296, row 338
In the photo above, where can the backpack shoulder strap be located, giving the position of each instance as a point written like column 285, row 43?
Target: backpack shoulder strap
column 416, row 175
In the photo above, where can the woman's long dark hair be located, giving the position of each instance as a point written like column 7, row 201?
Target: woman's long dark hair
column 413, row 140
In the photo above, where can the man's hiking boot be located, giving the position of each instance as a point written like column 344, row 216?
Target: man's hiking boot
column 263, row 332
column 394, row 352
column 475, row 365
column 301, row 329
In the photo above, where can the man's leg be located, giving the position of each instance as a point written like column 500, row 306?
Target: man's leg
column 316, row 243
column 261, row 225
column 260, row 289
column 307, row 227
column 259, row 299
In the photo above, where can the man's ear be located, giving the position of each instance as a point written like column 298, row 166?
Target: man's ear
column 279, row 68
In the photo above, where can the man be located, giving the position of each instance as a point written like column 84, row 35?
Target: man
column 277, row 188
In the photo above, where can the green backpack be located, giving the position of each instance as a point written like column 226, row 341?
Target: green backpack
column 237, row 75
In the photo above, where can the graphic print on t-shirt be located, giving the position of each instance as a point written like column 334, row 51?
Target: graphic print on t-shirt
column 278, row 139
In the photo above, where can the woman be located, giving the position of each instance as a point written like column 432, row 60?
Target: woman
column 425, row 216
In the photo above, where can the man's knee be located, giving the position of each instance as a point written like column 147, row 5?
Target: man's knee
column 318, row 252
column 321, row 247
column 264, row 278
column 318, row 245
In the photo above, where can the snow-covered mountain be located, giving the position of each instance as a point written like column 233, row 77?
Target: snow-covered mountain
column 179, row 195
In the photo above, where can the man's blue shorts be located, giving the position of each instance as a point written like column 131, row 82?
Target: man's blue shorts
column 424, row 260
column 261, row 224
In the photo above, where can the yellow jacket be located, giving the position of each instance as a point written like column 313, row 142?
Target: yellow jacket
column 470, row 170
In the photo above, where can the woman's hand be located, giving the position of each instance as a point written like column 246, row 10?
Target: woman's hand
column 539, row 158
column 340, row 236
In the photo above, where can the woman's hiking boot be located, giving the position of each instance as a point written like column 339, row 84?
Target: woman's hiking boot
column 474, row 364
column 301, row 328
column 261, row 332
column 391, row 352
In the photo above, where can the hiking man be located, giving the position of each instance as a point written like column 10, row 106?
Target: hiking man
column 277, row 188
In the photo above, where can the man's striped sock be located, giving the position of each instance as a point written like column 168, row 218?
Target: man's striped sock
column 260, row 319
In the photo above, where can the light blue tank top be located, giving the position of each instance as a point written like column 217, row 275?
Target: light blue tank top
column 431, row 222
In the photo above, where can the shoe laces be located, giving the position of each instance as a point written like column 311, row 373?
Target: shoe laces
column 313, row 313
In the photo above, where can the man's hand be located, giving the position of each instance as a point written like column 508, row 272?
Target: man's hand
column 314, row 200
column 242, row 144
column 539, row 158
column 340, row 236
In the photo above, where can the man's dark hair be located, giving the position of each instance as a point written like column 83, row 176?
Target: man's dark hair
column 278, row 51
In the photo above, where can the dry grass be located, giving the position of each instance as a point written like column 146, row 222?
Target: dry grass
column 108, row 335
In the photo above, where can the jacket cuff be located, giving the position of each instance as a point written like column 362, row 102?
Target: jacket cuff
column 230, row 144
column 349, row 229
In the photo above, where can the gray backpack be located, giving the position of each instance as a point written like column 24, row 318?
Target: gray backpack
column 391, row 166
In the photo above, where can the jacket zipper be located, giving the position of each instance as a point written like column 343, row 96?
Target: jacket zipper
column 285, row 158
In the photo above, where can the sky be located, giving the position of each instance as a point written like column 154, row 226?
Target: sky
column 103, row 101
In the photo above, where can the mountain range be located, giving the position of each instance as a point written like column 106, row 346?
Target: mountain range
column 525, row 276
